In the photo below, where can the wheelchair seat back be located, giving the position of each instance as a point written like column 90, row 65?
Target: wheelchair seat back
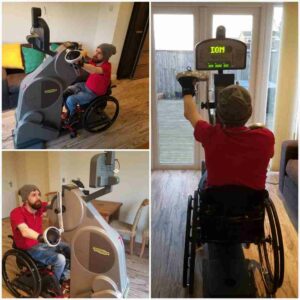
column 232, row 214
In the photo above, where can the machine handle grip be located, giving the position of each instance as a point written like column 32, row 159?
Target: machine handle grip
column 208, row 105
column 52, row 236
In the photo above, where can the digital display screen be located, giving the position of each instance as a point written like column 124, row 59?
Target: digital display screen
column 225, row 54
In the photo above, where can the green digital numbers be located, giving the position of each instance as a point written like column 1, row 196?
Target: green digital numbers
column 217, row 49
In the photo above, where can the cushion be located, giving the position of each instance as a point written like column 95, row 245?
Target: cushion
column 11, row 56
column 53, row 47
column 292, row 170
column 33, row 58
column 14, row 81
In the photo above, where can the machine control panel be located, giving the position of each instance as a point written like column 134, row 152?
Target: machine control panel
column 221, row 54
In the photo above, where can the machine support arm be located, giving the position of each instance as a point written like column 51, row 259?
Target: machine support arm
column 107, row 189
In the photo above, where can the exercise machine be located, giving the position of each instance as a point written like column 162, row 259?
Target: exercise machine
column 40, row 101
column 225, row 217
column 98, row 262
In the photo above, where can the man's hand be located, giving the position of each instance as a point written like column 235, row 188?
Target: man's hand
column 188, row 85
column 40, row 238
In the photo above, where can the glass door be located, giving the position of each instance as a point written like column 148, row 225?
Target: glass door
column 173, row 41
column 241, row 24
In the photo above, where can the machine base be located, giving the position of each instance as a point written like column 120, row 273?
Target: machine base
column 226, row 274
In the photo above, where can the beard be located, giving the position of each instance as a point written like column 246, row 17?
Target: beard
column 36, row 205
column 96, row 60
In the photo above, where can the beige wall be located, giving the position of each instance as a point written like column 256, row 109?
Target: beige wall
column 9, row 183
column 134, row 180
column 84, row 22
column 21, row 168
column 287, row 96
column 49, row 170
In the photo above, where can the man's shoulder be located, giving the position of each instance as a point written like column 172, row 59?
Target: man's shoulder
column 263, row 131
column 16, row 212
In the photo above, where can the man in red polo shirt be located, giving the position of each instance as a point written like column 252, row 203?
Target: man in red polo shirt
column 26, row 222
column 99, row 69
column 234, row 154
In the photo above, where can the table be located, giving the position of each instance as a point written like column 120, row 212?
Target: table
column 108, row 209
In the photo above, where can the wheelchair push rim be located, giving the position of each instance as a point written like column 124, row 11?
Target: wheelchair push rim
column 271, row 250
column 25, row 268
column 101, row 114
column 190, row 242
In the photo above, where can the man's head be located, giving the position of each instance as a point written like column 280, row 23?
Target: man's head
column 31, row 195
column 103, row 52
column 234, row 106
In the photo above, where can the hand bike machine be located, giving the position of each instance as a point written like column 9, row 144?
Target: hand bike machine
column 98, row 262
column 225, row 217
column 40, row 101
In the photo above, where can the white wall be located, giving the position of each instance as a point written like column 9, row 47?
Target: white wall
column 86, row 23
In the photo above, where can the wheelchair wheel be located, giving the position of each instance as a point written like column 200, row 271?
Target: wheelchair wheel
column 190, row 242
column 270, row 250
column 101, row 114
column 20, row 274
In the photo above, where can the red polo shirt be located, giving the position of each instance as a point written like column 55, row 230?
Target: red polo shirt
column 34, row 221
column 235, row 156
column 98, row 83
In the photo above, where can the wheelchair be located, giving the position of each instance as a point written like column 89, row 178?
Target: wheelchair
column 27, row 278
column 96, row 116
column 224, row 218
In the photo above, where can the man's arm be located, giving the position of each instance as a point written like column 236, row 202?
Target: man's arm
column 190, row 110
column 92, row 69
column 28, row 232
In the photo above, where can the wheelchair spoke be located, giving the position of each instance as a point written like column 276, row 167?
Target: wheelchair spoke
column 268, row 252
column 20, row 274
column 101, row 115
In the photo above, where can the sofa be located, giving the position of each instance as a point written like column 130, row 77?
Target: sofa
column 288, row 179
column 11, row 80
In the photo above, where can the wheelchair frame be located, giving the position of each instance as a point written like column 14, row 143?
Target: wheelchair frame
column 84, row 114
column 272, row 269
column 33, row 278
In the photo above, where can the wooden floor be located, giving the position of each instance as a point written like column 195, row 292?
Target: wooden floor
column 170, row 190
column 137, row 268
column 130, row 130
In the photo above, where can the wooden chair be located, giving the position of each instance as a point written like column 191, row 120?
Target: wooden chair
column 130, row 229
column 144, row 241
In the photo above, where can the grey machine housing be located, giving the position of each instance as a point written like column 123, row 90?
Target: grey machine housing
column 98, row 262
column 38, row 114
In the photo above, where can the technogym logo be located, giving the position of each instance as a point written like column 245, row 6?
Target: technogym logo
column 101, row 251
column 50, row 91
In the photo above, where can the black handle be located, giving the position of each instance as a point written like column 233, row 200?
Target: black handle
column 36, row 12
